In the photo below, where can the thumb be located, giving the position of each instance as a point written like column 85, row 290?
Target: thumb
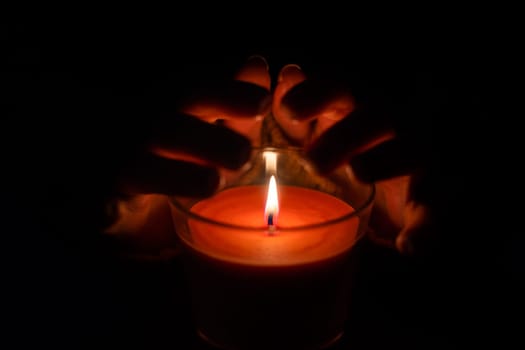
column 418, row 235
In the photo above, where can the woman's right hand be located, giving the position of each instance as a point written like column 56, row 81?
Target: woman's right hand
column 377, row 138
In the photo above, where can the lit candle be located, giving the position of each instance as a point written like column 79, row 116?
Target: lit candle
column 279, row 244
column 268, row 266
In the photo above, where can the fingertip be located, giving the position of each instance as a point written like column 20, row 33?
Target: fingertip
column 258, row 61
column 419, row 236
column 288, row 77
column 255, row 71
column 290, row 72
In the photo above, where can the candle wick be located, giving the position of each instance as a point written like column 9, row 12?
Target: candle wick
column 271, row 226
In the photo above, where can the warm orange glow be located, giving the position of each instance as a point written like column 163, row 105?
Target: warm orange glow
column 272, row 203
column 263, row 245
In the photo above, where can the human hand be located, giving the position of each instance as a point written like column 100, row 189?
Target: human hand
column 383, row 141
column 212, row 127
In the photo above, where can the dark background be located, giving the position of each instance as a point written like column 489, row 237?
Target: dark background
column 72, row 96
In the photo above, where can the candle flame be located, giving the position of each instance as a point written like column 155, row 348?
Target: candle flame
column 272, row 203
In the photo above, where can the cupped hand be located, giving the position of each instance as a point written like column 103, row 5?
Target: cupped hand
column 324, row 116
column 210, row 128
column 193, row 136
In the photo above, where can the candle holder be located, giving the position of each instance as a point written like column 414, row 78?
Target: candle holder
column 277, row 280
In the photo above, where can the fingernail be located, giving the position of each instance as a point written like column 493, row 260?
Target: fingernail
column 258, row 61
column 288, row 71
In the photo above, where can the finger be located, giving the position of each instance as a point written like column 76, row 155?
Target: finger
column 321, row 101
column 418, row 235
column 255, row 71
column 394, row 193
column 289, row 76
column 387, row 217
column 317, row 99
column 180, row 136
column 143, row 227
column 152, row 174
column 385, row 161
column 225, row 100
column 359, row 131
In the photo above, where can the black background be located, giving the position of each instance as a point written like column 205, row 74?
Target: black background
column 65, row 288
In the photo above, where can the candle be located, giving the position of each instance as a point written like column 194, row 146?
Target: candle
column 268, row 266
column 244, row 207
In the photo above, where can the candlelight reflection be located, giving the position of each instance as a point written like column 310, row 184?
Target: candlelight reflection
column 270, row 159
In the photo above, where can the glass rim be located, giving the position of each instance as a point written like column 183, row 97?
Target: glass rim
column 355, row 213
column 223, row 224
